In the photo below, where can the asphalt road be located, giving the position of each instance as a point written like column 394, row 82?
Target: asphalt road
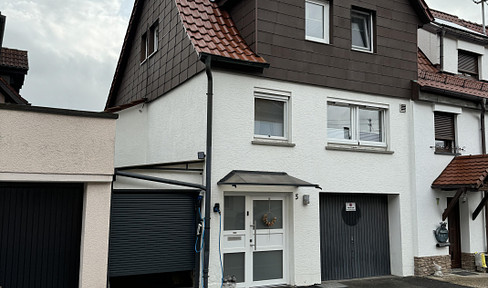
column 391, row 282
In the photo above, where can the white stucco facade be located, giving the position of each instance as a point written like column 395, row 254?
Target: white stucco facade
column 431, row 203
column 174, row 131
column 44, row 145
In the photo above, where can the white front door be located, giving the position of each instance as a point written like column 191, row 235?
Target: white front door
column 254, row 241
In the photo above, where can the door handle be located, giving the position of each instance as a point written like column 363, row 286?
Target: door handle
column 255, row 238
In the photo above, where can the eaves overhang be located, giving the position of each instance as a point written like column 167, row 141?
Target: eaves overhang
column 232, row 61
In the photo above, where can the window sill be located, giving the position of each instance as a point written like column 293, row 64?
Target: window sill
column 356, row 148
column 317, row 40
column 273, row 143
column 362, row 50
column 446, row 153
column 149, row 56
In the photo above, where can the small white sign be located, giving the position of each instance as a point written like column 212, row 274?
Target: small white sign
column 351, row 206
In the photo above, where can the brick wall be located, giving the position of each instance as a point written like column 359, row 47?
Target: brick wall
column 424, row 266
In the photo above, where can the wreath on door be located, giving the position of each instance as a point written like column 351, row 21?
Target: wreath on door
column 267, row 221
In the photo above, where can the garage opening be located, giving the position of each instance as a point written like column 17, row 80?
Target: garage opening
column 40, row 235
column 354, row 236
column 152, row 238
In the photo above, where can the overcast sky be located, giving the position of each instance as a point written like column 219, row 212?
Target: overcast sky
column 74, row 45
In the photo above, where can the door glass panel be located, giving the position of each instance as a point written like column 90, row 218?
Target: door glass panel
column 234, row 266
column 268, row 265
column 268, row 214
column 234, row 212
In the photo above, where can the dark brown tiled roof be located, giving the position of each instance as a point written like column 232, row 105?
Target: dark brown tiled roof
column 430, row 76
column 212, row 31
column 454, row 19
column 11, row 93
column 464, row 171
column 13, row 58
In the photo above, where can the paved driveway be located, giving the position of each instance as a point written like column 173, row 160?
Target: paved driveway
column 391, row 282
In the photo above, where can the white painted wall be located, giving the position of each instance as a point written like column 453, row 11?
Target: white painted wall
column 335, row 171
column 169, row 129
column 428, row 167
column 429, row 43
column 450, row 56
column 183, row 109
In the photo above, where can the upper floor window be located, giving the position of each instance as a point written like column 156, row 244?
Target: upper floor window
column 149, row 42
column 317, row 21
column 468, row 64
column 271, row 117
column 362, row 30
column 445, row 141
column 356, row 124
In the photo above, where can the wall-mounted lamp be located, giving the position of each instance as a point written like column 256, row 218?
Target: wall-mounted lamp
column 464, row 197
column 306, row 199
column 437, row 200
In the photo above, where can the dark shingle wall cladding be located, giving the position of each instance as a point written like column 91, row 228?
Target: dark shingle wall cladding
column 388, row 71
column 173, row 63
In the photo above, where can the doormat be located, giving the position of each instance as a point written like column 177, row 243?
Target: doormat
column 464, row 273
column 330, row 285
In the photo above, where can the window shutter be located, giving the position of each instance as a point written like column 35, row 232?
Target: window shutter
column 444, row 126
column 468, row 62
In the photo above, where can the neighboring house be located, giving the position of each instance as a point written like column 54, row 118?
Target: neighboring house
column 13, row 68
column 302, row 95
column 56, row 169
column 449, row 119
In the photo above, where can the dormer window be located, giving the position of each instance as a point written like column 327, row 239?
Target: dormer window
column 468, row 64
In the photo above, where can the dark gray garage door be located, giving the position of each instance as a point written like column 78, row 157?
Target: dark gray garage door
column 152, row 232
column 40, row 234
column 354, row 236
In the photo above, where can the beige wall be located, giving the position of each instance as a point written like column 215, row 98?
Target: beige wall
column 48, row 143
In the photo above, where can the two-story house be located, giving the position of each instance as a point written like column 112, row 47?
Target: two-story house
column 267, row 140
column 449, row 111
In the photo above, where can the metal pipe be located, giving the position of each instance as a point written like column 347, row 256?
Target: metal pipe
column 483, row 129
column 159, row 180
column 208, row 167
column 441, row 52
column 483, row 16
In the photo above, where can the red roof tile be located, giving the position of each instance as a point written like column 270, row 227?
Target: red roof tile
column 212, row 31
column 464, row 171
column 454, row 19
column 13, row 58
column 430, row 76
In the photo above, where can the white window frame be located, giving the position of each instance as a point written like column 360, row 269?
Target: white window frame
column 354, row 116
column 274, row 95
column 369, row 18
column 326, row 20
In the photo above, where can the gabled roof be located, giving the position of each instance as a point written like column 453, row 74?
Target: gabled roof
column 463, row 172
column 455, row 22
column 422, row 10
column 212, row 31
column 431, row 78
column 13, row 58
column 10, row 92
